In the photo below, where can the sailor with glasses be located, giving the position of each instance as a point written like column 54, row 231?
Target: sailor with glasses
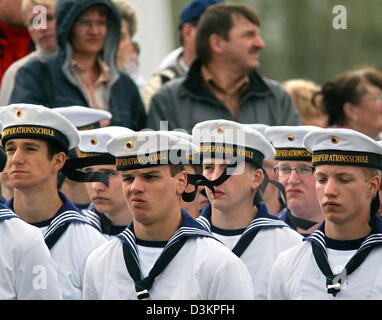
column 295, row 173
column 341, row 259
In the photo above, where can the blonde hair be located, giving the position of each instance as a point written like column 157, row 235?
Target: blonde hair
column 301, row 92
column 28, row 5
column 128, row 13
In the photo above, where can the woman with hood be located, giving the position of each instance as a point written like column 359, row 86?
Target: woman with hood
column 84, row 70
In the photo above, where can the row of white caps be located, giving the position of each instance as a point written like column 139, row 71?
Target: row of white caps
column 19, row 120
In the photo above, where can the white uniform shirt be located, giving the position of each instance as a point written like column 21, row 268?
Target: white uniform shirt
column 273, row 237
column 72, row 249
column 296, row 275
column 203, row 269
column 27, row 269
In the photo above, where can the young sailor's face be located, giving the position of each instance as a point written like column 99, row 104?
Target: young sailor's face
column 300, row 187
column 237, row 188
column 28, row 162
column 151, row 193
column 106, row 199
column 344, row 193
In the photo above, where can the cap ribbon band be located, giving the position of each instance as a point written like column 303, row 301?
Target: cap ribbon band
column 353, row 158
column 230, row 151
column 175, row 157
column 34, row 132
column 293, row 154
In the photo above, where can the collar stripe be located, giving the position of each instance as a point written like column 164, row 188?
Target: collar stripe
column 65, row 217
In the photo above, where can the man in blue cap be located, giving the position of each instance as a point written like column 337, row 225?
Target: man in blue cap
column 178, row 62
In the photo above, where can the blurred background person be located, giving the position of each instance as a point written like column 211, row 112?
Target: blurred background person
column 177, row 62
column 84, row 70
column 128, row 51
column 223, row 82
column 44, row 38
column 354, row 100
column 15, row 41
column 301, row 92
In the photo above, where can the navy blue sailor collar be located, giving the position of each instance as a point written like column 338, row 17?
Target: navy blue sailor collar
column 263, row 219
column 101, row 222
column 373, row 239
column 68, row 212
column 189, row 227
column 93, row 215
column 6, row 213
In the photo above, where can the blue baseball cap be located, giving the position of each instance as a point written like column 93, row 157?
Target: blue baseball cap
column 194, row 9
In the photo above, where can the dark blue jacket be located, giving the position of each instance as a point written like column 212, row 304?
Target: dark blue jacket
column 49, row 81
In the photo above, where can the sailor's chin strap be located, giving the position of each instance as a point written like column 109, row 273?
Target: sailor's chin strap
column 200, row 180
column 259, row 194
column 374, row 206
column 69, row 171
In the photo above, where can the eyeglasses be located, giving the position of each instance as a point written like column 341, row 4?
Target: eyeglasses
column 285, row 172
column 88, row 23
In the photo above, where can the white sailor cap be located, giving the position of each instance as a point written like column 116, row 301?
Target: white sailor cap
column 93, row 142
column 260, row 127
column 289, row 142
column 231, row 140
column 340, row 146
column 37, row 122
column 84, row 118
column 149, row 148
column 193, row 153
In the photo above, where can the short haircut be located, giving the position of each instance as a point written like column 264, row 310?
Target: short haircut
column 175, row 169
column 53, row 148
column 371, row 172
column 219, row 19
column 129, row 14
column 28, row 5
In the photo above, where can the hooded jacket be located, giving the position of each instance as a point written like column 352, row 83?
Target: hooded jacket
column 49, row 81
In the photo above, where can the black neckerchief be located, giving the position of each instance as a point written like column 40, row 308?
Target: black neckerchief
column 296, row 222
column 188, row 228
column 334, row 283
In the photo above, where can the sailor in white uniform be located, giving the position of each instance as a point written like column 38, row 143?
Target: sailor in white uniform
column 232, row 156
column 83, row 118
column 108, row 211
column 296, row 173
column 341, row 259
column 164, row 253
column 36, row 140
column 27, row 269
